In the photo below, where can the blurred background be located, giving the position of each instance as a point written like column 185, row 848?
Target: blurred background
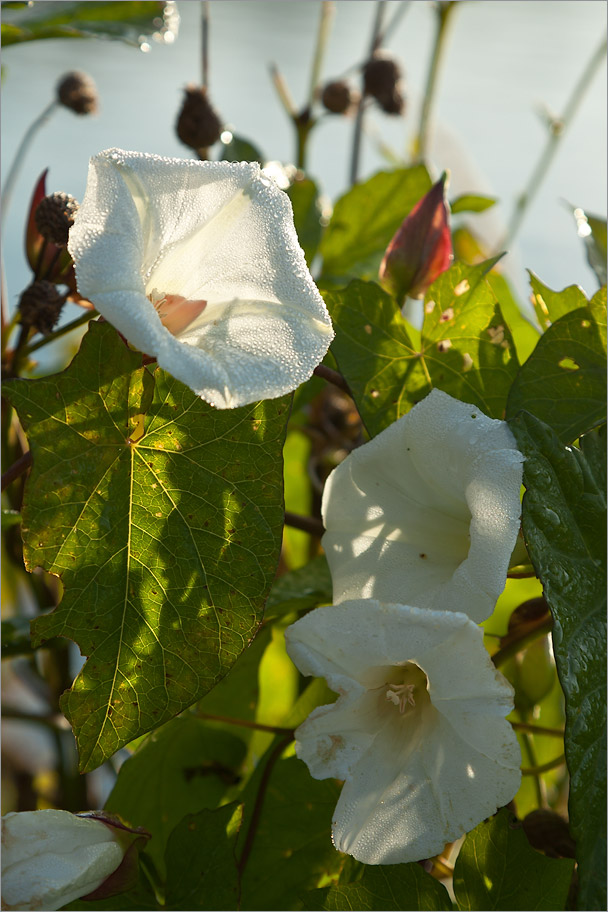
column 504, row 62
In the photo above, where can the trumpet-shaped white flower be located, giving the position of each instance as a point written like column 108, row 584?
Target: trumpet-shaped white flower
column 50, row 858
column 427, row 513
column 198, row 264
column 418, row 732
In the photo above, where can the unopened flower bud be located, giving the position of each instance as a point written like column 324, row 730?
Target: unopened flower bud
column 382, row 80
column 421, row 248
column 338, row 97
column 198, row 124
column 54, row 217
column 40, row 305
column 78, row 92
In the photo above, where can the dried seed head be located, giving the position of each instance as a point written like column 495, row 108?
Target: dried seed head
column 338, row 97
column 78, row 92
column 198, row 124
column 382, row 80
column 40, row 305
column 54, row 216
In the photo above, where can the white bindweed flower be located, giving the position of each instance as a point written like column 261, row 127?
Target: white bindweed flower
column 418, row 732
column 427, row 513
column 50, row 858
column 198, row 264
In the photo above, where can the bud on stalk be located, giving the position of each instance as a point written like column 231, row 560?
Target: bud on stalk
column 421, row 248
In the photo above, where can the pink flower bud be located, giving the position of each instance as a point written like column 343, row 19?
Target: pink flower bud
column 421, row 249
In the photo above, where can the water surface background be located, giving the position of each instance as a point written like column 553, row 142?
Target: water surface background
column 504, row 60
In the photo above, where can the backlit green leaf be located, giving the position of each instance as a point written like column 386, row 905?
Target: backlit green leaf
column 497, row 868
column 563, row 382
column 240, row 149
column 365, row 219
column 564, row 525
column 304, row 196
column 472, row 202
column 163, row 517
column 405, row 886
column 466, row 347
column 551, row 305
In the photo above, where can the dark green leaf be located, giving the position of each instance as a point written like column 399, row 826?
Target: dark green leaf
column 16, row 638
column 551, row 305
column 466, row 347
column 304, row 196
column 597, row 247
column 200, row 861
column 301, row 589
column 182, row 768
column 292, row 848
column 364, row 221
column 127, row 20
column 497, row 868
column 163, row 516
column 240, row 149
column 525, row 334
column 404, row 887
column 472, row 202
column 563, row 382
column 564, row 525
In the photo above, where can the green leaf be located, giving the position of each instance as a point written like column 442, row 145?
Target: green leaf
column 163, row 517
column 466, row 347
column 364, row 221
column 16, row 637
column 563, row 382
column 301, row 589
column 182, row 768
column 240, row 149
column 307, row 213
column 405, row 886
column 596, row 246
column 201, row 864
column 126, row 20
column 472, row 202
column 564, row 525
column 551, row 305
column 292, row 846
column 497, row 868
column 525, row 334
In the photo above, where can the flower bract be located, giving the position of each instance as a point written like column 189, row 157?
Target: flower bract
column 418, row 733
column 198, row 264
column 427, row 513
column 50, row 858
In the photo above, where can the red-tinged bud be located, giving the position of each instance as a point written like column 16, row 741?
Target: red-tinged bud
column 421, row 249
column 47, row 260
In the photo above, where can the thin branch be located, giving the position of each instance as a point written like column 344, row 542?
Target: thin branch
column 358, row 130
column 17, row 469
column 327, row 13
column 62, row 331
column 558, row 128
column 51, row 722
column 531, row 633
column 205, row 44
column 544, row 767
column 538, row 729
column 305, row 524
column 282, row 91
column 391, row 26
column 332, row 376
column 443, row 16
column 259, row 801
column 11, row 177
column 244, row 723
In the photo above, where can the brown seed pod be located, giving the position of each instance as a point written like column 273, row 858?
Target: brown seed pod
column 382, row 79
column 337, row 97
column 198, row 125
column 40, row 305
column 54, row 216
column 78, row 92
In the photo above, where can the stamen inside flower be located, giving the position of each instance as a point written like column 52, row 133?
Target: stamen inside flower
column 408, row 689
column 176, row 312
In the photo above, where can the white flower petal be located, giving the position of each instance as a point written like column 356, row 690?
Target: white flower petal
column 426, row 513
column 420, row 772
column 50, row 858
column 216, row 232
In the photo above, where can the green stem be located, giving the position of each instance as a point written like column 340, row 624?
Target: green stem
column 543, row 767
column 558, row 128
column 283, row 92
column 11, row 177
column 443, row 17
column 533, row 769
column 358, row 130
column 305, row 524
column 327, row 12
column 515, row 646
column 20, row 351
column 390, row 27
column 62, row 331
